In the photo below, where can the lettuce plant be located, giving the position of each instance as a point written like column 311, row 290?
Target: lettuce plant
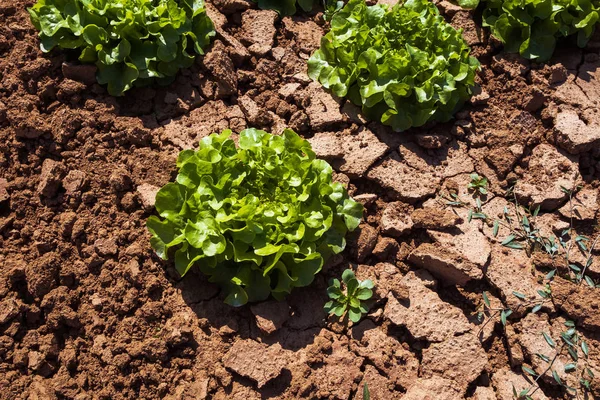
column 130, row 41
column 350, row 300
column 404, row 66
column 531, row 27
column 259, row 219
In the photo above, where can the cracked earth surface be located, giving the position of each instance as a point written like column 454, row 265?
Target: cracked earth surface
column 88, row 312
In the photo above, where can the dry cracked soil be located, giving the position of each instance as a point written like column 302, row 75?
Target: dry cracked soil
column 87, row 311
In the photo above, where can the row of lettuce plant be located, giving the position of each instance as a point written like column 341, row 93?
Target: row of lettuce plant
column 262, row 217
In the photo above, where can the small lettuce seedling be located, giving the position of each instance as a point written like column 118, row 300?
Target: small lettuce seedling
column 350, row 300
column 478, row 183
column 258, row 219
column 130, row 41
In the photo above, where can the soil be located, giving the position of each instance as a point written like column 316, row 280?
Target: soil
column 87, row 311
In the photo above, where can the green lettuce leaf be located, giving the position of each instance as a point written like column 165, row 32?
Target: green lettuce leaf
column 404, row 66
column 259, row 219
column 132, row 42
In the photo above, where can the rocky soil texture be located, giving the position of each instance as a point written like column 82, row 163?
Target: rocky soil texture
column 87, row 311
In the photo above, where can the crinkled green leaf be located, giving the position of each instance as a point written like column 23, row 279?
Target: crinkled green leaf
column 130, row 41
column 405, row 66
column 259, row 219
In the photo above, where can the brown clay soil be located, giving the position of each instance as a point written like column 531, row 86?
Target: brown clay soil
column 87, row 311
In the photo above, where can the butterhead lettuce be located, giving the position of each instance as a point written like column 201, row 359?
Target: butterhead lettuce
column 531, row 27
column 258, row 219
column 130, row 41
column 404, row 66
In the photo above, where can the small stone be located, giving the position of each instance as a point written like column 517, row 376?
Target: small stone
column 9, row 309
column 256, row 361
column 270, row 315
column 66, row 222
column 395, row 219
column 299, row 121
column 218, row 62
column 119, row 180
column 406, row 183
column 558, row 74
column 4, row 196
column 36, row 359
column 258, row 27
column 288, row 90
column 133, row 267
column 323, row 110
column 367, row 238
column 50, row 178
column 480, row 98
column 449, row 8
column 575, row 135
column 259, row 50
column 451, row 268
column 386, row 247
column 147, row 194
column 432, row 141
column 361, row 150
column 535, row 101
column 106, row 247
column 465, row 240
column 434, row 218
column 366, row 198
column 74, row 182
column 134, row 250
column 96, row 300
column 327, row 145
column 253, row 113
